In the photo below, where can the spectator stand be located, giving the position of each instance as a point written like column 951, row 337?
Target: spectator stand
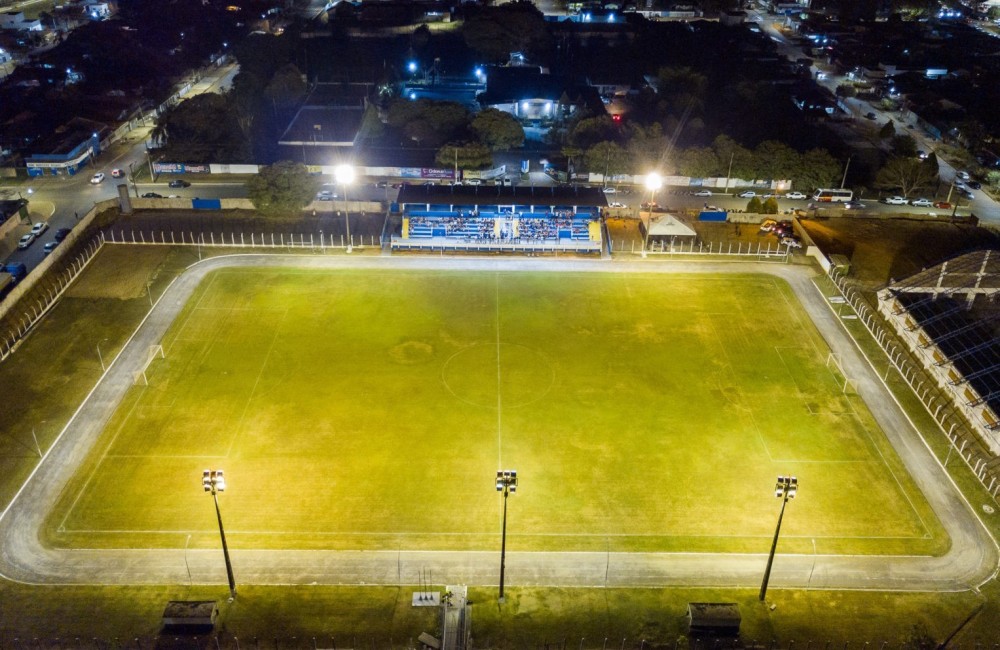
column 500, row 219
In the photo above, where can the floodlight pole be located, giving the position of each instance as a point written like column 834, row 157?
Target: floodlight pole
column 214, row 482
column 653, row 183
column 344, row 174
column 784, row 489
column 506, row 483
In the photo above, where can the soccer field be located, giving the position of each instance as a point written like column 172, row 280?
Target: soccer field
column 371, row 410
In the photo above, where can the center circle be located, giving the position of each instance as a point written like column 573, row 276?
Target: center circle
column 523, row 375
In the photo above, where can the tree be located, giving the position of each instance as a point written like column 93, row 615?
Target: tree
column 428, row 122
column 728, row 150
column 903, row 145
column 993, row 178
column 774, row 160
column 608, row 158
column 286, row 87
column 698, row 162
column 590, row 130
column 908, row 175
column 754, row 206
column 887, row 131
column 648, row 146
column 770, row 205
column 682, row 88
column 817, row 168
column 466, row 155
column 283, row 188
column 512, row 27
column 203, row 129
column 498, row 130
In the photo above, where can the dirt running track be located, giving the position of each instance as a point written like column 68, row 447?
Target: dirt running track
column 971, row 560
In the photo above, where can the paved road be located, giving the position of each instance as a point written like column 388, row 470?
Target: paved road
column 971, row 559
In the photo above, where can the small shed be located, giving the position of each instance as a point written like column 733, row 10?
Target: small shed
column 714, row 618
column 194, row 615
column 667, row 228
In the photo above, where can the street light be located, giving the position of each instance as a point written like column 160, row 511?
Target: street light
column 214, row 481
column 784, row 489
column 506, row 483
column 653, row 183
column 344, row 174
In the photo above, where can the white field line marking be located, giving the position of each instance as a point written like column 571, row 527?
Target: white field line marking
column 885, row 462
column 191, row 312
column 499, row 396
column 246, row 406
column 488, row 534
column 104, row 457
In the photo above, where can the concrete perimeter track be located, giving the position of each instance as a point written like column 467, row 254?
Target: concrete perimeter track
column 971, row 559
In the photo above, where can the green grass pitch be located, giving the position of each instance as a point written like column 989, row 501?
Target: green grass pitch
column 371, row 410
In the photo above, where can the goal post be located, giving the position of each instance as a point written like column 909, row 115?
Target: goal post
column 140, row 375
column 848, row 385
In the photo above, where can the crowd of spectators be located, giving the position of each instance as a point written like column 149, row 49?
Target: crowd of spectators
column 473, row 227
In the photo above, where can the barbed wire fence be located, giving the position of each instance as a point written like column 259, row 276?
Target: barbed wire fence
column 224, row 641
column 937, row 404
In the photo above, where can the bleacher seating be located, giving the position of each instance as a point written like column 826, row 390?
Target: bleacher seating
column 513, row 226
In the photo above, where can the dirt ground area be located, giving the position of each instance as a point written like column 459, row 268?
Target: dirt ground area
column 626, row 235
column 884, row 249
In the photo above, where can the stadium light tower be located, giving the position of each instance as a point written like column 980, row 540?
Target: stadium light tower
column 506, row 483
column 214, row 481
column 344, row 174
column 653, row 183
column 784, row 489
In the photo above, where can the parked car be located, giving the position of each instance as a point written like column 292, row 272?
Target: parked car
column 97, row 178
column 39, row 228
column 610, row 190
column 942, row 205
column 854, row 205
column 870, row 116
column 25, row 241
column 703, row 193
column 895, row 200
column 967, row 194
column 616, row 204
column 768, row 225
column 382, row 185
column 49, row 247
column 650, row 205
column 748, row 194
column 117, row 173
column 921, row 203
column 791, row 242
column 921, row 154
column 325, row 195
column 178, row 182
column 152, row 195
column 795, row 196
column 963, row 175
column 62, row 233
column 974, row 185
column 474, row 181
